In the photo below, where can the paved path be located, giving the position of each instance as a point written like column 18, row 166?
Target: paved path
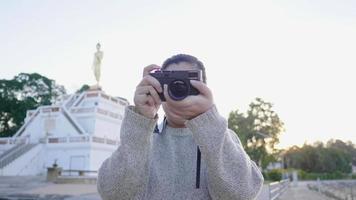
column 36, row 188
column 263, row 195
column 301, row 192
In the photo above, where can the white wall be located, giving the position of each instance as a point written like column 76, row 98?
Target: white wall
column 63, row 153
column 87, row 121
column 107, row 127
column 99, row 153
column 62, row 128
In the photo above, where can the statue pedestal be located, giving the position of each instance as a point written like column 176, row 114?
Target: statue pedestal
column 95, row 88
column 53, row 173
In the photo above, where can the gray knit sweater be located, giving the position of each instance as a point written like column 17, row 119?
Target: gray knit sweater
column 148, row 165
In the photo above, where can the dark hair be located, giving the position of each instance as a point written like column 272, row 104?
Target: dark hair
column 176, row 59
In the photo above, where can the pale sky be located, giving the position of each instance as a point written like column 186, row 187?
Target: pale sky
column 299, row 55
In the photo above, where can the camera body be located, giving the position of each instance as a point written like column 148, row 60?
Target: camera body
column 178, row 83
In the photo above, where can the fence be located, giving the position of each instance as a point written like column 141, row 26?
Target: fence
column 72, row 172
column 336, row 189
column 277, row 188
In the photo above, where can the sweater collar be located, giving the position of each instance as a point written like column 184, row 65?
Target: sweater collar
column 177, row 131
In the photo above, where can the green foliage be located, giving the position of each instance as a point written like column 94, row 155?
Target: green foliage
column 322, row 176
column 274, row 175
column 258, row 130
column 84, row 87
column 353, row 176
column 334, row 157
column 24, row 92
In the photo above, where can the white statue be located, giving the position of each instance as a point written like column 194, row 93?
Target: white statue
column 98, row 57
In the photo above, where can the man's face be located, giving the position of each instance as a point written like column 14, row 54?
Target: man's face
column 182, row 66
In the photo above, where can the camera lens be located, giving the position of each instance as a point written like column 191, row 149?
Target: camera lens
column 178, row 90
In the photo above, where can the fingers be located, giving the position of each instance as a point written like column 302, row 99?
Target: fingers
column 146, row 93
column 201, row 87
column 150, row 101
column 149, row 68
column 154, row 95
column 151, row 81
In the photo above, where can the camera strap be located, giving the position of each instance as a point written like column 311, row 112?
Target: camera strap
column 160, row 129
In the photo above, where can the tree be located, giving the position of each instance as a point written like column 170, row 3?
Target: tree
column 348, row 148
column 333, row 157
column 258, row 130
column 84, row 87
column 24, row 92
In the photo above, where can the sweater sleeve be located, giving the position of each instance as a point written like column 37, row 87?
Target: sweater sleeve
column 124, row 175
column 231, row 173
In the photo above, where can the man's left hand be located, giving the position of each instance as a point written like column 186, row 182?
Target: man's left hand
column 193, row 105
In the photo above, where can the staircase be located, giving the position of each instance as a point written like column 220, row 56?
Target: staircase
column 73, row 99
column 12, row 154
column 69, row 103
column 14, row 148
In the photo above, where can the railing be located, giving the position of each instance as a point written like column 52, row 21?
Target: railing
column 79, row 100
column 79, row 139
column 82, row 110
column 12, row 140
column 277, row 188
column 70, row 172
column 68, row 103
column 336, row 189
column 109, row 113
column 19, row 142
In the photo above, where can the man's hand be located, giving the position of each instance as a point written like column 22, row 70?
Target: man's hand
column 192, row 105
column 147, row 101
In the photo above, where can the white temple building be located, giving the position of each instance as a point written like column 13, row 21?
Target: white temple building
column 77, row 133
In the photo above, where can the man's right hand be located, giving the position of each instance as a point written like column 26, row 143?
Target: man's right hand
column 147, row 101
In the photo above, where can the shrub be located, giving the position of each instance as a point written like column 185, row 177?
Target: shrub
column 353, row 176
column 322, row 176
column 274, row 175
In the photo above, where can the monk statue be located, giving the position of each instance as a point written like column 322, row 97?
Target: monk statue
column 98, row 57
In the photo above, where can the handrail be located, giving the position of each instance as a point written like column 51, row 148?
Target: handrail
column 80, row 139
column 66, row 113
column 277, row 188
column 80, row 172
column 70, row 101
column 9, row 151
column 79, row 99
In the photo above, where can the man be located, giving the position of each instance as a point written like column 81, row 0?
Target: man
column 150, row 165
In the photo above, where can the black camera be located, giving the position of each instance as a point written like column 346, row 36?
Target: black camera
column 178, row 83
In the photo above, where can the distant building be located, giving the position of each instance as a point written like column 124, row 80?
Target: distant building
column 274, row 165
column 77, row 133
